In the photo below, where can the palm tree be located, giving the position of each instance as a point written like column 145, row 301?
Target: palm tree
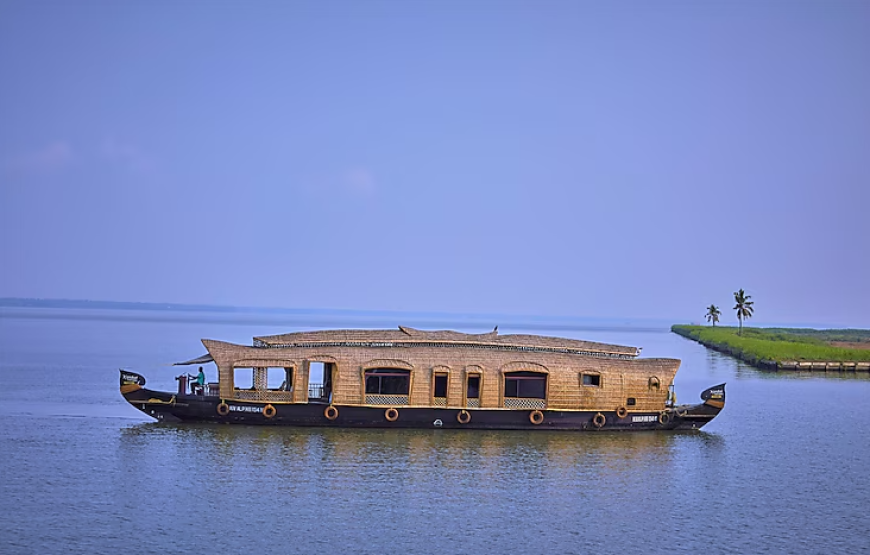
column 743, row 307
column 713, row 314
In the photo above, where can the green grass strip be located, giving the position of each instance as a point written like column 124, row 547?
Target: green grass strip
column 779, row 344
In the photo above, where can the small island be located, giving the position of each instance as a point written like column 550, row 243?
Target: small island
column 787, row 348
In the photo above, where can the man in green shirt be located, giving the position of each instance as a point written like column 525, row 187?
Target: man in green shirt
column 199, row 384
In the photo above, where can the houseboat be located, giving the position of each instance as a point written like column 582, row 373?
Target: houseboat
column 409, row 378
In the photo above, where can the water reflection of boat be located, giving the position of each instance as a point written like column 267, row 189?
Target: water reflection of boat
column 409, row 378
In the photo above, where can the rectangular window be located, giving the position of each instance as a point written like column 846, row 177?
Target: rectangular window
column 388, row 381
column 472, row 390
column 593, row 380
column 272, row 378
column 631, row 401
column 526, row 385
column 440, row 385
column 276, row 378
column 243, row 378
column 279, row 379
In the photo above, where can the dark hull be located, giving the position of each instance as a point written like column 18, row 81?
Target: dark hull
column 168, row 407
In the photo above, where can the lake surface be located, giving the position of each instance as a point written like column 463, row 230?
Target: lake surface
column 785, row 468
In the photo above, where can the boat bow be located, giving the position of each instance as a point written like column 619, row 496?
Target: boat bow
column 714, row 396
column 693, row 417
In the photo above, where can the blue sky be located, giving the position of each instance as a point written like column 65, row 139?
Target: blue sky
column 597, row 159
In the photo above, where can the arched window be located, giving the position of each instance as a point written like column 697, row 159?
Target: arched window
column 440, row 383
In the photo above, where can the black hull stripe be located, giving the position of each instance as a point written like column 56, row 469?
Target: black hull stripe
column 312, row 415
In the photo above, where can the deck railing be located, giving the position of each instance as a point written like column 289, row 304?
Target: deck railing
column 524, row 403
column 263, row 395
column 388, row 400
column 315, row 391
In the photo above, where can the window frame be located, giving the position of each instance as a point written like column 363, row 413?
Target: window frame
column 514, row 376
column 289, row 376
column 382, row 372
column 594, row 377
column 251, row 371
column 435, row 376
column 468, row 376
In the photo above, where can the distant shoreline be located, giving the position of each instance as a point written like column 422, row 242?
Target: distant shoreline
column 787, row 348
column 355, row 318
column 110, row 305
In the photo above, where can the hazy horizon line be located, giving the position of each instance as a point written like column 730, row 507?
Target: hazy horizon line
column 429, row 317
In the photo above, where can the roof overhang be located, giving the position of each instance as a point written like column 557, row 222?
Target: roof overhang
column 206, row 358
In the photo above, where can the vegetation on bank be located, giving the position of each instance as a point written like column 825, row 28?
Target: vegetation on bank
column 713, row 314
column 757, row 345
column 743, row 307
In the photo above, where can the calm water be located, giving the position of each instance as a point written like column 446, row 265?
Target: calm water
column 784, row 469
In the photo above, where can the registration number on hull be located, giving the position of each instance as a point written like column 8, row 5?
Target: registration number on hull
column 650, row 418
column 244, row 408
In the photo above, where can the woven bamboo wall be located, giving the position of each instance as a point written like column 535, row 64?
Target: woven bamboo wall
column 421, row 386
column 620, row 378
column 488, row 384
column 455, row 387
column 347, row 388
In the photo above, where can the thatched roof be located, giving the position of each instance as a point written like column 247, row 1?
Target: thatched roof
column 405, row 335
column 203, row 359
